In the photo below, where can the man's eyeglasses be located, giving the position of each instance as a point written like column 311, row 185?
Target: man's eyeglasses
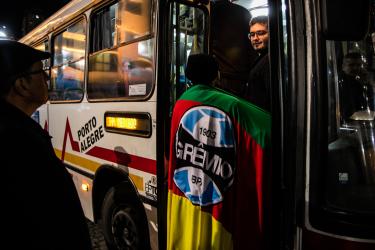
column 36, row 72
column 257, row 33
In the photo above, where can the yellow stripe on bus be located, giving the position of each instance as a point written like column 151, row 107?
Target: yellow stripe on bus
column 93, row 166
column 200, row 229
column 138, row 181
column 80, row 161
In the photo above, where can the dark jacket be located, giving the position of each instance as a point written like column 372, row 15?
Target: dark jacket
column 230, row 44
column 40, row 206
column 258, row 89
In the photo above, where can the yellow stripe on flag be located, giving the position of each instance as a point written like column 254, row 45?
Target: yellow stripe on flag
column 190, row 228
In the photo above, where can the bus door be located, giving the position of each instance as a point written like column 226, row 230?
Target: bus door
column 183, row 27
column 187, row 27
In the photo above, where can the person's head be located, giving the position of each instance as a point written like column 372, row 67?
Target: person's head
column 22, row 78
column 201, row 69
column 259, row 33
column 353, row 64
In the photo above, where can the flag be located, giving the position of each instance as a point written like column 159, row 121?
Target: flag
column 215, row 171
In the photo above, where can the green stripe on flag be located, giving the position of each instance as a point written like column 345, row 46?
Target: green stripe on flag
column 256, row 122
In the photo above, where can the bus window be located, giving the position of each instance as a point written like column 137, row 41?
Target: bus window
column 68, row 63
column 121, row 67
column 188, row 33
column 104, row 22
column 135, row 20
column 350, row 171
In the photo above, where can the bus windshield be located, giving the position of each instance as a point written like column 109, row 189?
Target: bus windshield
column 350, row 170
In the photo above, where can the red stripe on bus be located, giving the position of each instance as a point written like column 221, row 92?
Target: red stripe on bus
column 45, row 126
column 73, row 143
column 132, row 161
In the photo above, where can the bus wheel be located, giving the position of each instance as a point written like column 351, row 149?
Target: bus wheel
column 122, row 223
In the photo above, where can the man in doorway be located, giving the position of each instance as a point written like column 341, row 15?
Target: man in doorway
column 258, row 87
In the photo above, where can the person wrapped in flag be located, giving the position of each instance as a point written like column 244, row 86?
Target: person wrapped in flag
column 217, row 160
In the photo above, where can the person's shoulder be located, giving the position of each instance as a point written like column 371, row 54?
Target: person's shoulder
column 250, row 118
column 197, row 88
column 21, row 131
column 8, row 121
column 239, row 104
column 248, row 107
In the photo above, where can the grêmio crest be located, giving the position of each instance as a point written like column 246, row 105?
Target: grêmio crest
column 205, row 155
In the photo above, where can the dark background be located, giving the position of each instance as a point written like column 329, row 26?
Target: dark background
column 14, row 14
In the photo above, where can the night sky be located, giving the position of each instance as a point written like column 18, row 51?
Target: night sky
column 12, row 13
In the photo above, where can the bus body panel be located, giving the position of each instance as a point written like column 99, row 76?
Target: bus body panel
column 85, row 144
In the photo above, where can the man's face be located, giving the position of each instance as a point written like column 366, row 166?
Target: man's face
column 259, row 36
column 37, row 80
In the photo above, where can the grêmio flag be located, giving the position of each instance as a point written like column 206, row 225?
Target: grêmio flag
column 215, row 172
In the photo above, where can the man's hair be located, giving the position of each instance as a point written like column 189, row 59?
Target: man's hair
column 259, row 19
column 201, row 69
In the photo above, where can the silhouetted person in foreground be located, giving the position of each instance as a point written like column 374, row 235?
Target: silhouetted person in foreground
column 230, row 46
column 40, row 206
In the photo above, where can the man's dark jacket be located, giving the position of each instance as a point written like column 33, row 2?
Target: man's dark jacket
column 40, row 207
column 258, row 89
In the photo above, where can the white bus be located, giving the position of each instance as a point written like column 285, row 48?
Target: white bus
column 117, row 68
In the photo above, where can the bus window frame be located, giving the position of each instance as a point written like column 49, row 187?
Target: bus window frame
column 165, row 36
column 44, row 41
column 149, row 36
column 46, row 68
column 170, row 36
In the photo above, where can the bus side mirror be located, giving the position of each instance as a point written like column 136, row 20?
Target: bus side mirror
column 345, row 20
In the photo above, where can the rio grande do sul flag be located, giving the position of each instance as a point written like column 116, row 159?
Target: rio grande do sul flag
column 215, row 172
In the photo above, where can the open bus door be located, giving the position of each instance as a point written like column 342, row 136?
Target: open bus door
column 183, row 27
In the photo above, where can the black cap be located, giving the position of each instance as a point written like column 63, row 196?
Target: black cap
column 201, row 68
column 16, row 58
